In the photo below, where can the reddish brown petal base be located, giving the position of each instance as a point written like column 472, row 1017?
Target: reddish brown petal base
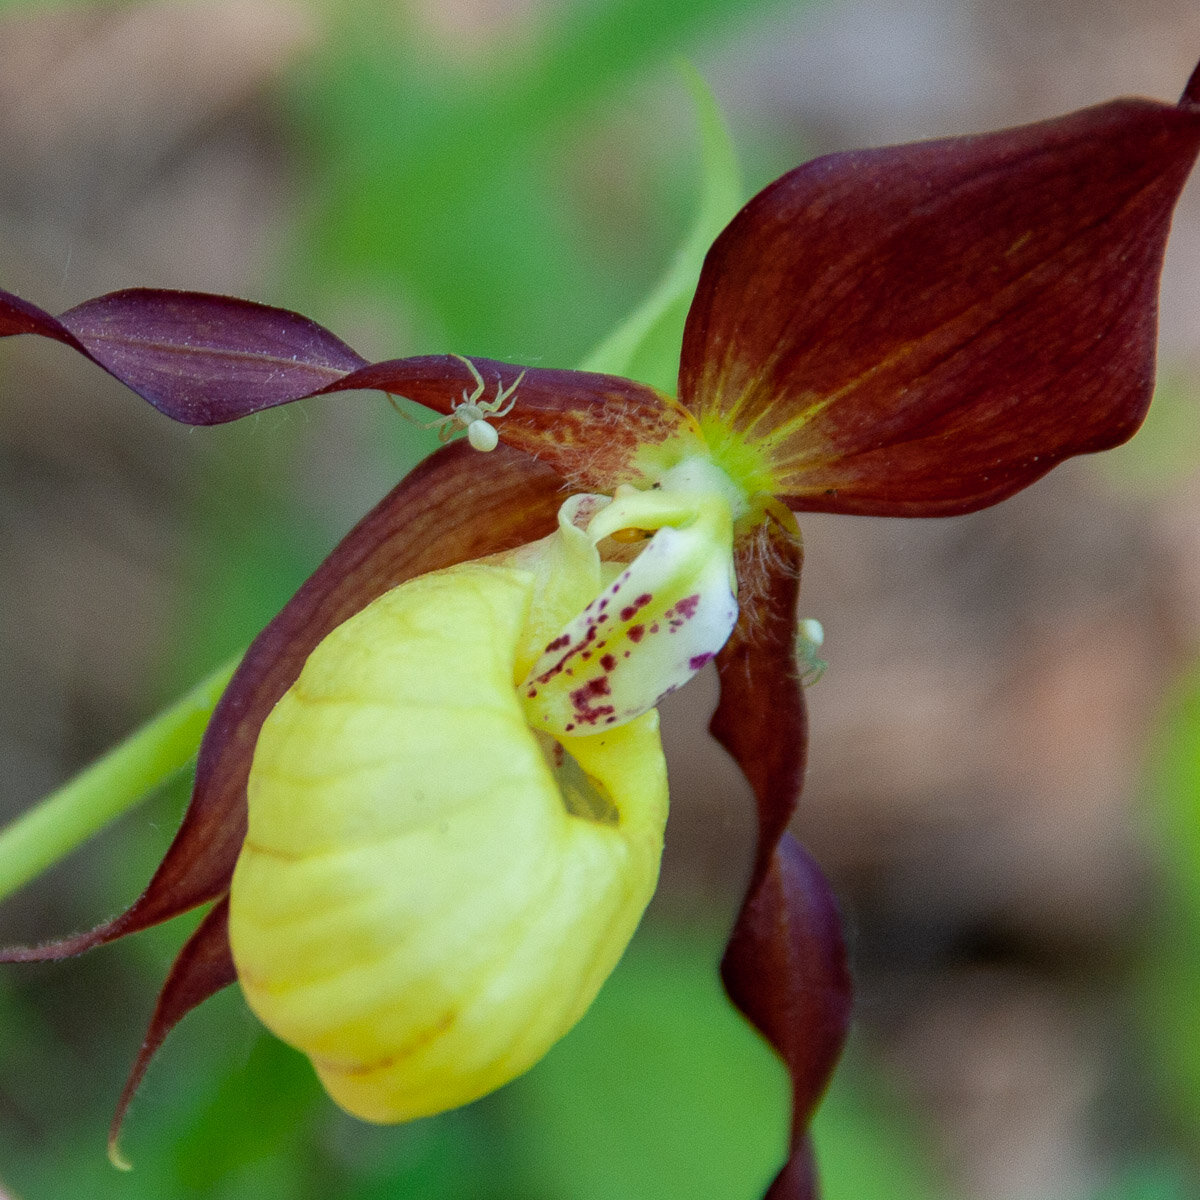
column 785, row 966
column 925, row 329
column 594, row 430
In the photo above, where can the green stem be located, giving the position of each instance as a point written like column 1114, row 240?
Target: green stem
column 127, row 774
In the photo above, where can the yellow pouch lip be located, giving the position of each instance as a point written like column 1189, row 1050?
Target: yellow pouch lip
column 308, row 839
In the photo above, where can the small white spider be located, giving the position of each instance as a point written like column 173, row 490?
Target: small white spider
column 471, row 413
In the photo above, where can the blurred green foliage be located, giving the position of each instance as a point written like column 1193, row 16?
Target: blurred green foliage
column 469, row 191
column 1167, row 446
column 1170, row 974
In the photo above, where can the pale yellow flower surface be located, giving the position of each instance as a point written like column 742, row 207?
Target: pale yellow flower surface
column 416, row 907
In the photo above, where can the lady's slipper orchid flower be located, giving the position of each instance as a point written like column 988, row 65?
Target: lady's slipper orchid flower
column 429, row 807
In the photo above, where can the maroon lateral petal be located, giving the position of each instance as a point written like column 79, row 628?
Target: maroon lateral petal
column 198, row 358
column 785, row 965
column 201, row 969
column 761, row 718
column 1191, row 93
column 457, row 505
column 925, row 329
column 785, row 968
column 204, row 359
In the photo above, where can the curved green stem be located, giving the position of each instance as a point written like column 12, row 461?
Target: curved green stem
column 645, row 346
column 113, row 784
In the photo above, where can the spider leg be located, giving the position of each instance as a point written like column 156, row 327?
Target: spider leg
column 409, row 417
column 480, row 386
column 493, row 407
column 392, row 401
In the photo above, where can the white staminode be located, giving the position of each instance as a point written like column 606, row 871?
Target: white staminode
column 650, row 628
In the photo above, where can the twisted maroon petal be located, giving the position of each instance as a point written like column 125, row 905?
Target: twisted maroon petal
column 785, row 965
column 205, row 360
column 198, row 358
column 455, row 506
column 19, row 316
column 925, row 329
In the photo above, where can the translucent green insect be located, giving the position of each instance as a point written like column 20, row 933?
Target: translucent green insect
column 810, row 637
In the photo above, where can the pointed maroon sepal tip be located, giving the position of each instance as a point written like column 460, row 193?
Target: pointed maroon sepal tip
column 202, row 968
column 923, row 330
column 1191, row 93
